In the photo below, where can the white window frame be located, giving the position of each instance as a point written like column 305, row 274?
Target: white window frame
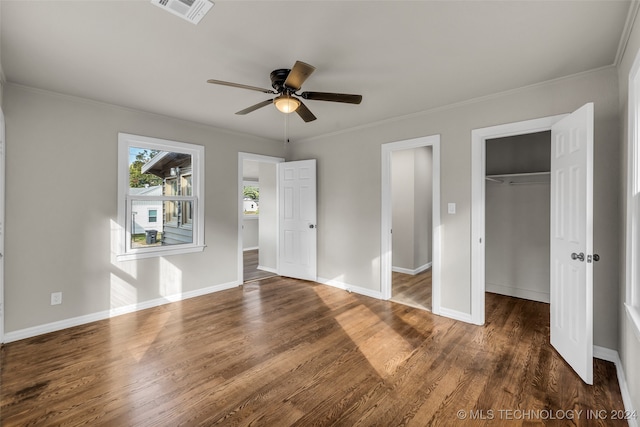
column 125, row 141
column 632, row 235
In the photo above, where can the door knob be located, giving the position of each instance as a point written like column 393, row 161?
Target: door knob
column 312, row 226
column 596, row 257
column 579, row 256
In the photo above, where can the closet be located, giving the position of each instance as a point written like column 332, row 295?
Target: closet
column 517, row 216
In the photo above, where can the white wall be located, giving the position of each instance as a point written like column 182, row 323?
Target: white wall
column 62, row 153
column 517, row 240
column 629, row 348
column 267, row 256
column 517, row 218
column 349, row 162
column 423, row 219
column 411, row 172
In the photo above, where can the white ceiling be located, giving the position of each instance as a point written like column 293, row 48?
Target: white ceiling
column 402, row 56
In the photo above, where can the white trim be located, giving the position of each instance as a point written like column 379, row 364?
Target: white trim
column 197, row 152
column 512, row 291
column 632, row 273
column 413, row 272
column 3, row 169
column 351, row 288
column 478, row 171
column 250, row 249
column 386, row 215
column 267, row 269
column 634, row 318
column 612, row 356
column 455, row 315
column 118, row 311
column 241, row 158
column 632, row 13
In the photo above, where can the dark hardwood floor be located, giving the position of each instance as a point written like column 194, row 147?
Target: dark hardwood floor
column 280, row 352
column 412, row 290
column 250, row 267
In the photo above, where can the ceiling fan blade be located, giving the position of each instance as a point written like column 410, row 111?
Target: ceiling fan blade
column 241, row 86
column 255, row 107
column 333, row 97
column 298, row 74
column 304, row 113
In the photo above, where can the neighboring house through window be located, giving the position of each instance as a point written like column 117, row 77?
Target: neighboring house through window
column 164, row 180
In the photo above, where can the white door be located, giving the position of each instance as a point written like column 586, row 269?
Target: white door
column 572, row 240
column 297, row 219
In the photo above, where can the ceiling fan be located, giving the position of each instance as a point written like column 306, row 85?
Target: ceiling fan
column 285, row 84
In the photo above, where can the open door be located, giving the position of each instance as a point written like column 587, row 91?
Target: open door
column 572, row 240
column 297, row 219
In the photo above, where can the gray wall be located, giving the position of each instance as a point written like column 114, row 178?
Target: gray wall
column 411, row 183
column 268, row 216
column 61, row 208
column 349, row 162
column 629, row 348
column 517, row 218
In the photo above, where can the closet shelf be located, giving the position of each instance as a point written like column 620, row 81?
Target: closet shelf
column 521, row 178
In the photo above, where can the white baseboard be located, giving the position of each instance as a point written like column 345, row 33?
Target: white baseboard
column 412, row 272
column 613, row 357
column 455, row 315
column 250, row 249
column 517, row 292
column 267, row 269
column 93, row 317
column 350, row 288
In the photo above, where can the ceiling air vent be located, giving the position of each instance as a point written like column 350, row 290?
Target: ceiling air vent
column 191, row 10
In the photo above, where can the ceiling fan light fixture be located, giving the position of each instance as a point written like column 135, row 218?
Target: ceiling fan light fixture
column 286, row 104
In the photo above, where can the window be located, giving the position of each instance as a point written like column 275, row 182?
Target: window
column 166, row 178
column 632, row 302
column 251, row 199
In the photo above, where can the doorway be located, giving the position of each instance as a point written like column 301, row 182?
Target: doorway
column 478, row 200
column 571, row 230
column 410, row 232
column 257, row 217
column 517, row 206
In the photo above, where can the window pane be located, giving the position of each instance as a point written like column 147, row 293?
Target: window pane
column 142, row 181
column 187, row 213
column 149, row 229
column 186, row 185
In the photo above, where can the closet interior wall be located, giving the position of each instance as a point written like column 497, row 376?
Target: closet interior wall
column 517, row 216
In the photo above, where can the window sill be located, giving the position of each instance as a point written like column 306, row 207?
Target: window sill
column 160, row 253
column 633, row 313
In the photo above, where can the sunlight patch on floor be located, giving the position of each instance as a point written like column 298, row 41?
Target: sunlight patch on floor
column 147, row 334
column 385, row 350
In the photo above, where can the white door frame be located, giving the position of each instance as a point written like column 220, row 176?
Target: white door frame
column 241, row 158
column 2, row 221
column 387, row 211
column 478, row 172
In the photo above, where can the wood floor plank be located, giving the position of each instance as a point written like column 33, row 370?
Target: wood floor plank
column 278, row 352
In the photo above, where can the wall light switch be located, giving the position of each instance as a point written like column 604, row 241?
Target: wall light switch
column 451, row 208
column 56, row 298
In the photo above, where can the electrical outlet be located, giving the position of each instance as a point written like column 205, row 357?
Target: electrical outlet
column 56, row 298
